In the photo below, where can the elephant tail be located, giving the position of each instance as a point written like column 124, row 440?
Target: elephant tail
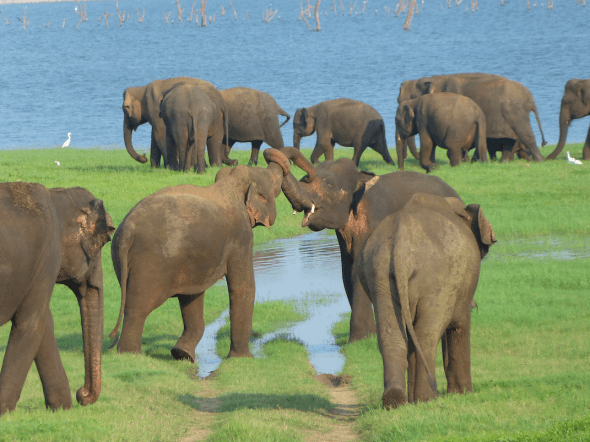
column 121, row 261
column 534, row 109
column 481, row 140
column 284, row 114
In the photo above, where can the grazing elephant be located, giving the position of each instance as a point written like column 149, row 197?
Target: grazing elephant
column 253, row 117
column 505, row 103
column 193, row 122
column 49, row 236
column 142, row 105
column 336, row 195
column 574, row 104
column 180, row 240
column 347, row 122
column 451, row 121
column 420, row 267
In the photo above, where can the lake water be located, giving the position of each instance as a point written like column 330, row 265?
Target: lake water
column 56, row 79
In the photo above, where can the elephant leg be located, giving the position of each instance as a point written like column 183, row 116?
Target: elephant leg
column 411, row 371
column 322, row 147
column 426, row 332
column 216, row 149
column 362, row 322
column 455, row 156
column 427, row 154
column 159, row 146
column 240, row 284
column 586, row 149
column 509, row 148
column 56, row 387
column 200, row 146
column 525, row 134
column 458, row 355
column 255, row 152
column 412, row 145
column 155, row 153
column 191, row 308
column 356, row 157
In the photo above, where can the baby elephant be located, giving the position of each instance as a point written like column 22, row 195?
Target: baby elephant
column 347, row 122
column 420, row 268
column 444, row 119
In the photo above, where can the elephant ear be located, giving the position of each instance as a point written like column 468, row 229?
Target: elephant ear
column 223, row 173
column 408, row 114
column 96, row 227
column 428, row 88
column 584, row 94
column 259, row 207
column 481, row 228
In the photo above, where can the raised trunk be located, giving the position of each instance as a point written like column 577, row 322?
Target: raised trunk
column 564, row 124
column 127, row 134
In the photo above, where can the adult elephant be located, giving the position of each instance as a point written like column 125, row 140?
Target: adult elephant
column 505, row 103
column 336, row 195
column 253, row 118
column 574, row 104
column 49, row 236
column 420, row 268
column 142, row 105
column 180, row 240
column 350, row 123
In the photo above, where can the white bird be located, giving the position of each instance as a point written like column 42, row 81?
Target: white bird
column 67, row 143
column 57, row 162
column 572, row 160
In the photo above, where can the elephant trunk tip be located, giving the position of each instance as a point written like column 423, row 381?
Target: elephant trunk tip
column 85, row 397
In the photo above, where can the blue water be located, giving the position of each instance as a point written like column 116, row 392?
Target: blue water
column 56, row 80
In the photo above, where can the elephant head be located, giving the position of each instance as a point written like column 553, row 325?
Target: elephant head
column 574, row 104
column 404, row 119
column 85, row 228
column 407, row 91
column 303, row 125
column 133, row 118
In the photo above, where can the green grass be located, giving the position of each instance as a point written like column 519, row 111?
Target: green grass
column 530, row 354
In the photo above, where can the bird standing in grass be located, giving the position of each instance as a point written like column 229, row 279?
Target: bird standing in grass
column 67, row 143
column 572, row 160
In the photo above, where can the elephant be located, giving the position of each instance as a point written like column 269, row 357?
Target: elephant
column 253, row 117
column 336, row 195
column 420, row 267
column 451, row 121
column 180, row 240
column 193, row 122
column 574, row 104
column 505, row 103
column 50, row 236
column 142, row 105
column 347, row 122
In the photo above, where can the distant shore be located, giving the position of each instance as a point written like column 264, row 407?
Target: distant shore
column 14, row 2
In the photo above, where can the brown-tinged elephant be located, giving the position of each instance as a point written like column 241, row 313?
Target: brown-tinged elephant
column 193, row 123
column 253, row 118
column 336, row 195
column 142, row 105
column 574, row 104
column 350, row 123
column 49, row 236
column 506, row 104
column 420, row 267
column 180, row 240
column 451, row 121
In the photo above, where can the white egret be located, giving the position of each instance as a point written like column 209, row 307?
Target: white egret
column 67, row 143
column 572, row 160
column 57, row 162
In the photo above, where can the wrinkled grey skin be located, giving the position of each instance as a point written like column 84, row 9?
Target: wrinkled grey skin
column 574, row 104
column 350, row 123
column 451, row 121
column 181, row 240
column 253, row 118
column 353, row 203
column 420, row 268
column 49, row 236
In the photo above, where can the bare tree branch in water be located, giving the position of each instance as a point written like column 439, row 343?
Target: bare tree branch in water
column 203, row 13
column 410, row 15
column 351, row 7
column 24, row 20
column 318, row 28
column 121, row 16
column 140, row 19
column 268, row 15
column 401, row 6
column 3, row 16
column 364, row 6
column 106, row 18
column 180, row 11
column 166, row 17
column 81, row 12
column 232, row 6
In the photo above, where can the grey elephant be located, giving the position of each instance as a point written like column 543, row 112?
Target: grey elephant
column 142, row 105
column 444, row 119
column 506, row 105
column 49, row 236
column 420, row 267
column 253, row 117
column 193, row 123
column 350, row 123
column 180, row 240
column 574, row 104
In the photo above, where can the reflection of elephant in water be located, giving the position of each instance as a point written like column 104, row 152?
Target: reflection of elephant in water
column 574, row 104
column 193, row 122
column 142, row 105
column 420, row 268
column 347, row 122
column 451, row 121
column 180, row 240
column 49, row 236
column 505, row 103
column 336, row 195
column 253, row 117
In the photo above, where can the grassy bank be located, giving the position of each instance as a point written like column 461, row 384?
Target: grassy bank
column 529, row 337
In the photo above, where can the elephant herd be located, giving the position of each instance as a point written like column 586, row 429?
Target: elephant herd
column 410, row 248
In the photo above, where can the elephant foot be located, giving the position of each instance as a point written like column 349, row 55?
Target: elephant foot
column 239, row 354
column 179, row 353
column 229, row 162
column 252, row 163
column 393, row 397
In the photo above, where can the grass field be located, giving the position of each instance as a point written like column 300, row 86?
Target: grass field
column 530, row 335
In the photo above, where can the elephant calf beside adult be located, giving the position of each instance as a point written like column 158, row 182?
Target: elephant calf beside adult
column 49, row 236
column 253, row 117
column 350, row 123
column 180, row 240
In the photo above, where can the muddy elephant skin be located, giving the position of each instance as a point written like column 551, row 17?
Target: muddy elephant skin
column 336, row 195
column 49, row 236
column 180, row 240
column 349, row 123
column 420, row 268
column 253, row 118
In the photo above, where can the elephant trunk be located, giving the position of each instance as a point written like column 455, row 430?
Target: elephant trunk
column 295, row 191
column 564, row 124
column 128, row 128
column 400, row 146
column 296, row 139
column 92, row 313
column 279, row 166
